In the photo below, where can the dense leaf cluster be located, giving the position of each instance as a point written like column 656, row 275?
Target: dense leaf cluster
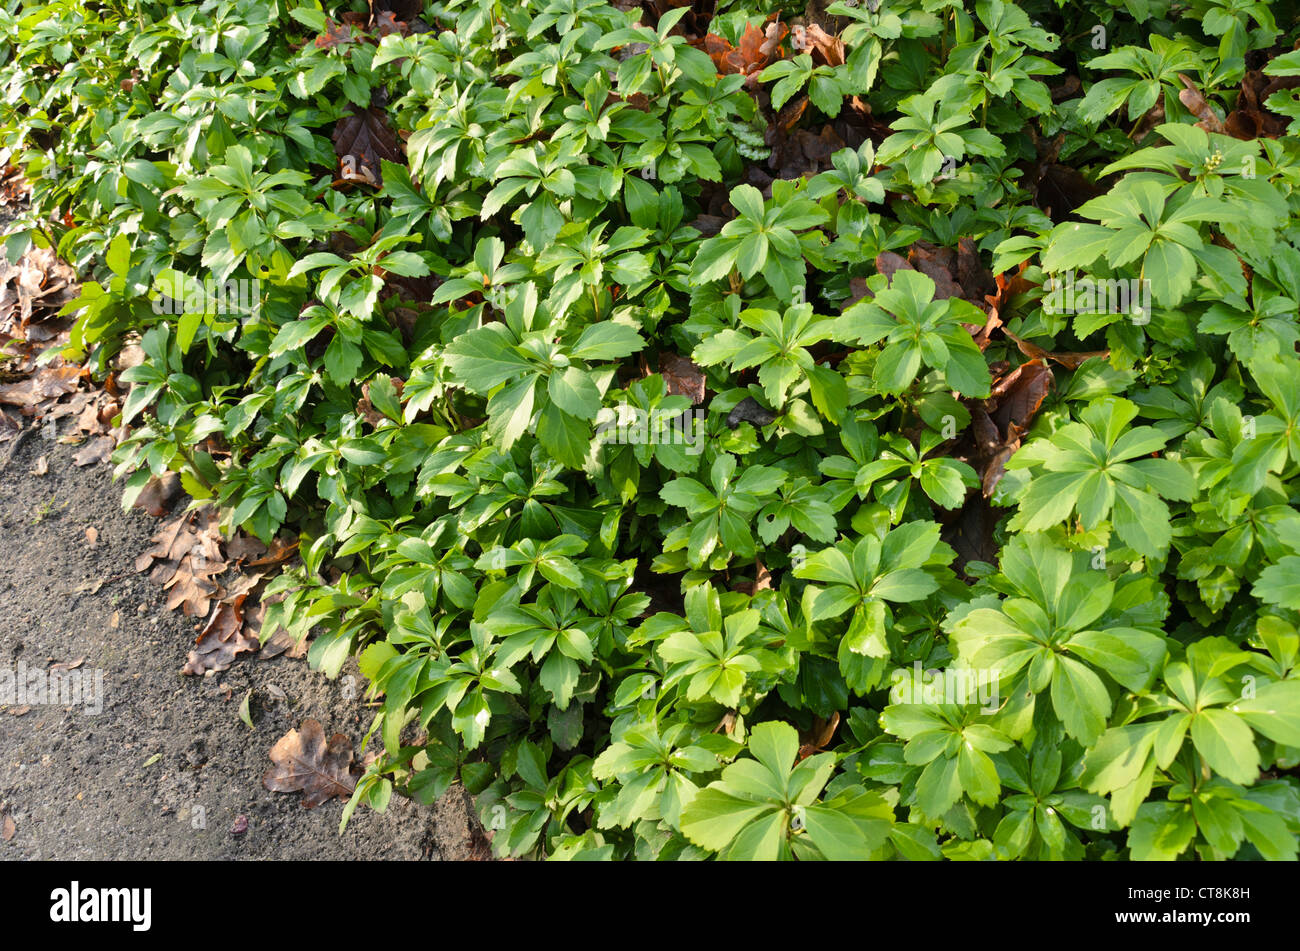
column 489, row 236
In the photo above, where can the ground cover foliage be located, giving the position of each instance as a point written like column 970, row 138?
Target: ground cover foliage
column 660, row 395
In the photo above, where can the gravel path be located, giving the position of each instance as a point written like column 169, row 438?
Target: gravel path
column 166, row 769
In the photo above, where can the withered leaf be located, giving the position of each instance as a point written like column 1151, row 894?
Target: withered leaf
column 819, row 737
column 387, row 23
column 185, row 558
column 282, row 642
column 336, row 35
column 1018, row 395
column 97, row 450
column 1068, row 359
column 889, row 263
column 682, row 377
column 191, row 587
column 857, row 290
column 749, row 410
column 159, row 494
column 826, row 50
column 366, row 135
column 45, row 384
column 937, row 264
column 1192, row 98
column 306, row 763
column 757, row 49
column 971, row 533
column 243, row 547
column 708, row 225
column 221, row 639
column 995, row 469
column 281, row 550
column 399, row 9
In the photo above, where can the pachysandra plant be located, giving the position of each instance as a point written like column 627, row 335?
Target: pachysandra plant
column 673, row 414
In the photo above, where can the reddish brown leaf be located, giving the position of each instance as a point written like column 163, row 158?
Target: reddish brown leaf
column 1070, row 87
column 336, row 35
column 857, row 290
column 221, row 639
column 282, row 642
column 387, row 23
column 1069, row 360
column 995, row 468
column 826, row 50
column 306, row 763
column 938, row 264
column 96, row 451
column 889, row 263
column 399, row 9
column 1192, row 98
column 1018, row 395
column 682, row 377
column 975, row 279
column 159, row 494
column 280, row 550
column 185, row 559
column 708, row 225
column 970, row 533
column 823, row 731
column 46, row 384
column 366, row 137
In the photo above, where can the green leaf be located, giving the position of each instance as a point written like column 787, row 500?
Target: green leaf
column 1227, row 743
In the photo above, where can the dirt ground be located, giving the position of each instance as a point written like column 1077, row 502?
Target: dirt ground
column 167, row 770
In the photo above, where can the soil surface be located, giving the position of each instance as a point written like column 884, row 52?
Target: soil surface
column 167, row 769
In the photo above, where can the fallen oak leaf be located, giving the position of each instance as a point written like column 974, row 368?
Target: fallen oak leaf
column 44, row 385
column 96, row 451
column 159, row 495
column 1016, row 397
column 749, row 410
column 337, row 35
column 191, row 587
column 220, row 640
column 1069, row 360
column 816, row 740
column 280, row 551
column 682, row 377
column 364, row 136
column 306, row 763
column 282, row 642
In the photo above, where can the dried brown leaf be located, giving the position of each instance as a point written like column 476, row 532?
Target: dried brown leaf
column 96, row 451
column 366, row 136
column 1192, row 98
column 221, row 639
column 46, row 384
column 306, row 763
column 682, row 377
column 159, row 494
